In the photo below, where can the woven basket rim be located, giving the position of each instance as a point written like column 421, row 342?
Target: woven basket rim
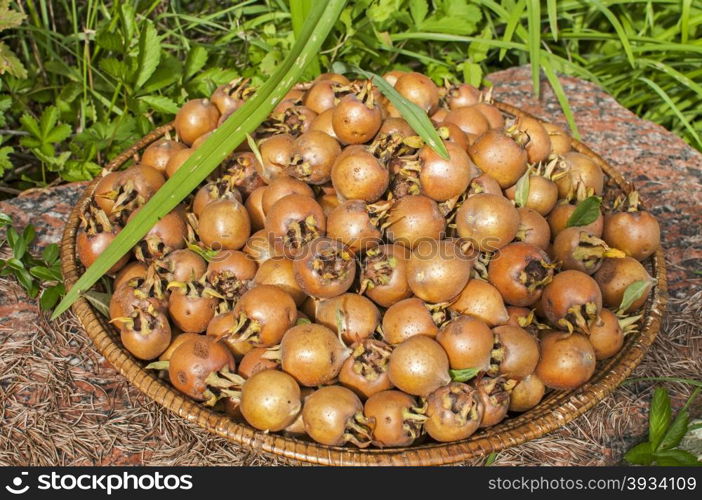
column 557, row 409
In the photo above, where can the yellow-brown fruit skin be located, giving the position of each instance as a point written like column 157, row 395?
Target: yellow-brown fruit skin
column 567, row 360
column 270, row 400
column 419, row 366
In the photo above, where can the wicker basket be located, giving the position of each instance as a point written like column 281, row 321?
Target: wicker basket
column 557, row 409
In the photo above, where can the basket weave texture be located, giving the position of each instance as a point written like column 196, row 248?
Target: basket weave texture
column 555, row 410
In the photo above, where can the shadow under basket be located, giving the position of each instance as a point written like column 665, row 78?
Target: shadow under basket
column 555, row 410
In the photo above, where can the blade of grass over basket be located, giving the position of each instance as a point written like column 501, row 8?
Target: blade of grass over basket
column 223, row 140
column 416, row 117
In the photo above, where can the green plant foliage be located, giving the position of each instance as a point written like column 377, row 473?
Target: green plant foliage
column 37, row 275
column 115, row 70
column 665, row 434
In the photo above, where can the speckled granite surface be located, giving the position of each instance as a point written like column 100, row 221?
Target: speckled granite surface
column 62, row 404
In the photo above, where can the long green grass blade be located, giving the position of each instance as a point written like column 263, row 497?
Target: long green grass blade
column 621, row 33
column 514, row 18
column 560, row 95
column 534, row 42
column 662, row 93
column 416, row 117
column 685, row 20
column 552, row 10
column 299, row 10
column 206, row 158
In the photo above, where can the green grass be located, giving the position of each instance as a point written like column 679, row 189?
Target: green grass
column 114, row 70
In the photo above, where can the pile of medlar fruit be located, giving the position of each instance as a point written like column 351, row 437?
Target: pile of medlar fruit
column 337, row 278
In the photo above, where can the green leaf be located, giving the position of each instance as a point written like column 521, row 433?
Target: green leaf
column 633, row 293
column 149, row 54
column 127, row 17
column 521, row 193
column 418, row 10
column 114, row 67
column 50, row 296
column 160, row 103
column 5, row 163
column 50, row 253
column 216, row 148
column 676, row 432
column 47, row 122
column 99, row 300
column 659, row 417
column 109, row 40
column 641, row 454
column 25, row 279
column 45, row 274
column 197, row 57
column 59, row 134
column 9, row 18
column 676, row 458
column 491, row 458
column 30, row 125
column 14, row 263
column 413, row 114
column 586, row 212
column 5, row 220
column 463, row 375
column 10, row 63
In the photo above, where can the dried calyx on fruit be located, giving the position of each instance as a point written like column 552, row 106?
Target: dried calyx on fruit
column 230, row 96
column 315, row 154
column 204, row 369
column 429, row 174
column 398, row 418
column 325, row 269
column 581, row 250
column 352, row 316
column 357, row 224
column 192, row 304
column 167, row 234
column 263, row 315
column 231, row 273
column 334, row 416
column 582, row 176
column 222, row 188
column 453, row 412
column 146, row 332
column 293, row 221
column 409, row 317
column 95, row 234
column 572, row 301
column 293, row 120
column 241, row 170
column 366, row 369
column 358, row 116
column 384, row 274
column 494, row 395
column 520, row 272
column 501, row 154
column 634, row 231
